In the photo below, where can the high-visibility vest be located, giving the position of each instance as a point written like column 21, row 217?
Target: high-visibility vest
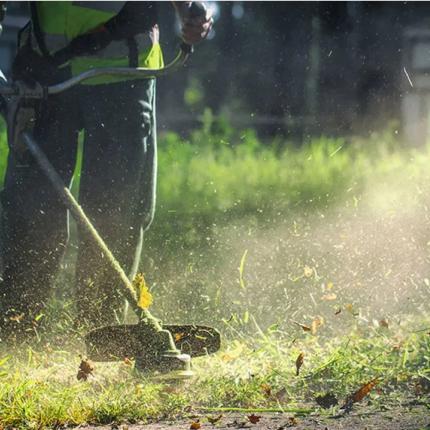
column 62, row 21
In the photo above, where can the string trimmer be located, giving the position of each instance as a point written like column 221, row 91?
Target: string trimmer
column 155, row 347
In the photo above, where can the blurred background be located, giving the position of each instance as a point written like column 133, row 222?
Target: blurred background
column 293, row 177
column 290, row 68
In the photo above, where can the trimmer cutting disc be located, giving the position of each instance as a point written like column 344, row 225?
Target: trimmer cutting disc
column 113, row 343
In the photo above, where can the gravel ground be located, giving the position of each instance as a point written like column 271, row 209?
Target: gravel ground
column 405, row 418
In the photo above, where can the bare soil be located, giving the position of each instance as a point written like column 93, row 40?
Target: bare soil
column 414, row 417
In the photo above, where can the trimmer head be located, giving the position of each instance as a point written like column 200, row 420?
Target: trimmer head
column 114, row 343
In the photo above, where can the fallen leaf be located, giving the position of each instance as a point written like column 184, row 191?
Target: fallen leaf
column 383, row 323
column 254, row 419
column 267, row 389
column 360, row 394
column 327, row 400
column 292, row 421
column 227, row 358
column 179, row 336
column 214, row 420
column 86, row 369
column 128, row 362
column 17, row 317
column 195, row 425
column 299, row 362
column 302, row 326
column 316, row 323
column 349, row 307
column 145, row 297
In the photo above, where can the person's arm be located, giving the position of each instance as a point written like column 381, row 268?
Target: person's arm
column 195, row 27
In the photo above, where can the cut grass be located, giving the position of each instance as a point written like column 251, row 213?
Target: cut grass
column 205, row 182
column 39, row 389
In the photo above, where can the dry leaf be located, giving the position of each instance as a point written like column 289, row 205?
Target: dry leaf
column 85, row 370
column 316, row 323
column 17, row 318
column 302, row 326
column 254, row 419
column 327, row 400
column 292, row 422
column 214, row 420
column 349, row 307
column 267, row 389
column 145, row 297
column 195, row 425
column 128, row 362
column 383, row 323
column 360, row 394
column 179, row 336
column 299, row 362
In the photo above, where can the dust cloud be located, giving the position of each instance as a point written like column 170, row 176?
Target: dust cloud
column 366, row 260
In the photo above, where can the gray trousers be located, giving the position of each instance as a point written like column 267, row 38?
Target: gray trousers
column 117, row 191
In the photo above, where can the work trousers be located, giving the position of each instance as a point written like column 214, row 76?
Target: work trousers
column 117, row 192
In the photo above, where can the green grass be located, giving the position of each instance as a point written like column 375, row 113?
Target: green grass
column 40, row 388
column 226, row 198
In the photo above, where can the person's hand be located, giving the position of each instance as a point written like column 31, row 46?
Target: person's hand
column 196, row 21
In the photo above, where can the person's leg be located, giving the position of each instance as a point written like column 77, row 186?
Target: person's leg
column 34, row 222
column 117, row 190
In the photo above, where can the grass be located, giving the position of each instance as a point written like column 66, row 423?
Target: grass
column 251, row 236
column 40, row 389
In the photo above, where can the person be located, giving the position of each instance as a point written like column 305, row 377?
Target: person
column 118, row 175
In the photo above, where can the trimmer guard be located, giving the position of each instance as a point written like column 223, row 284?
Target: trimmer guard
column 114, row 343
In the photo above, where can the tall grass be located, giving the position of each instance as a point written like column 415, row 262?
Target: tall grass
column 218, row 170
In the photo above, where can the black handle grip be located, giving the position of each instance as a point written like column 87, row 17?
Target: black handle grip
column 198, row 10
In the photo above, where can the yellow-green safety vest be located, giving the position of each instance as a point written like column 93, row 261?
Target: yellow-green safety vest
column 62, row 21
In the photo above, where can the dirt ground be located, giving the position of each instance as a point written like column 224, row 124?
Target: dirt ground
column 411, row 418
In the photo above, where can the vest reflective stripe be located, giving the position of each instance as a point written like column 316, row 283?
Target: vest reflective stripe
column 67, row 20
column 115, row 49
column 153, row 59
column 104, row 6
column 62, row 21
